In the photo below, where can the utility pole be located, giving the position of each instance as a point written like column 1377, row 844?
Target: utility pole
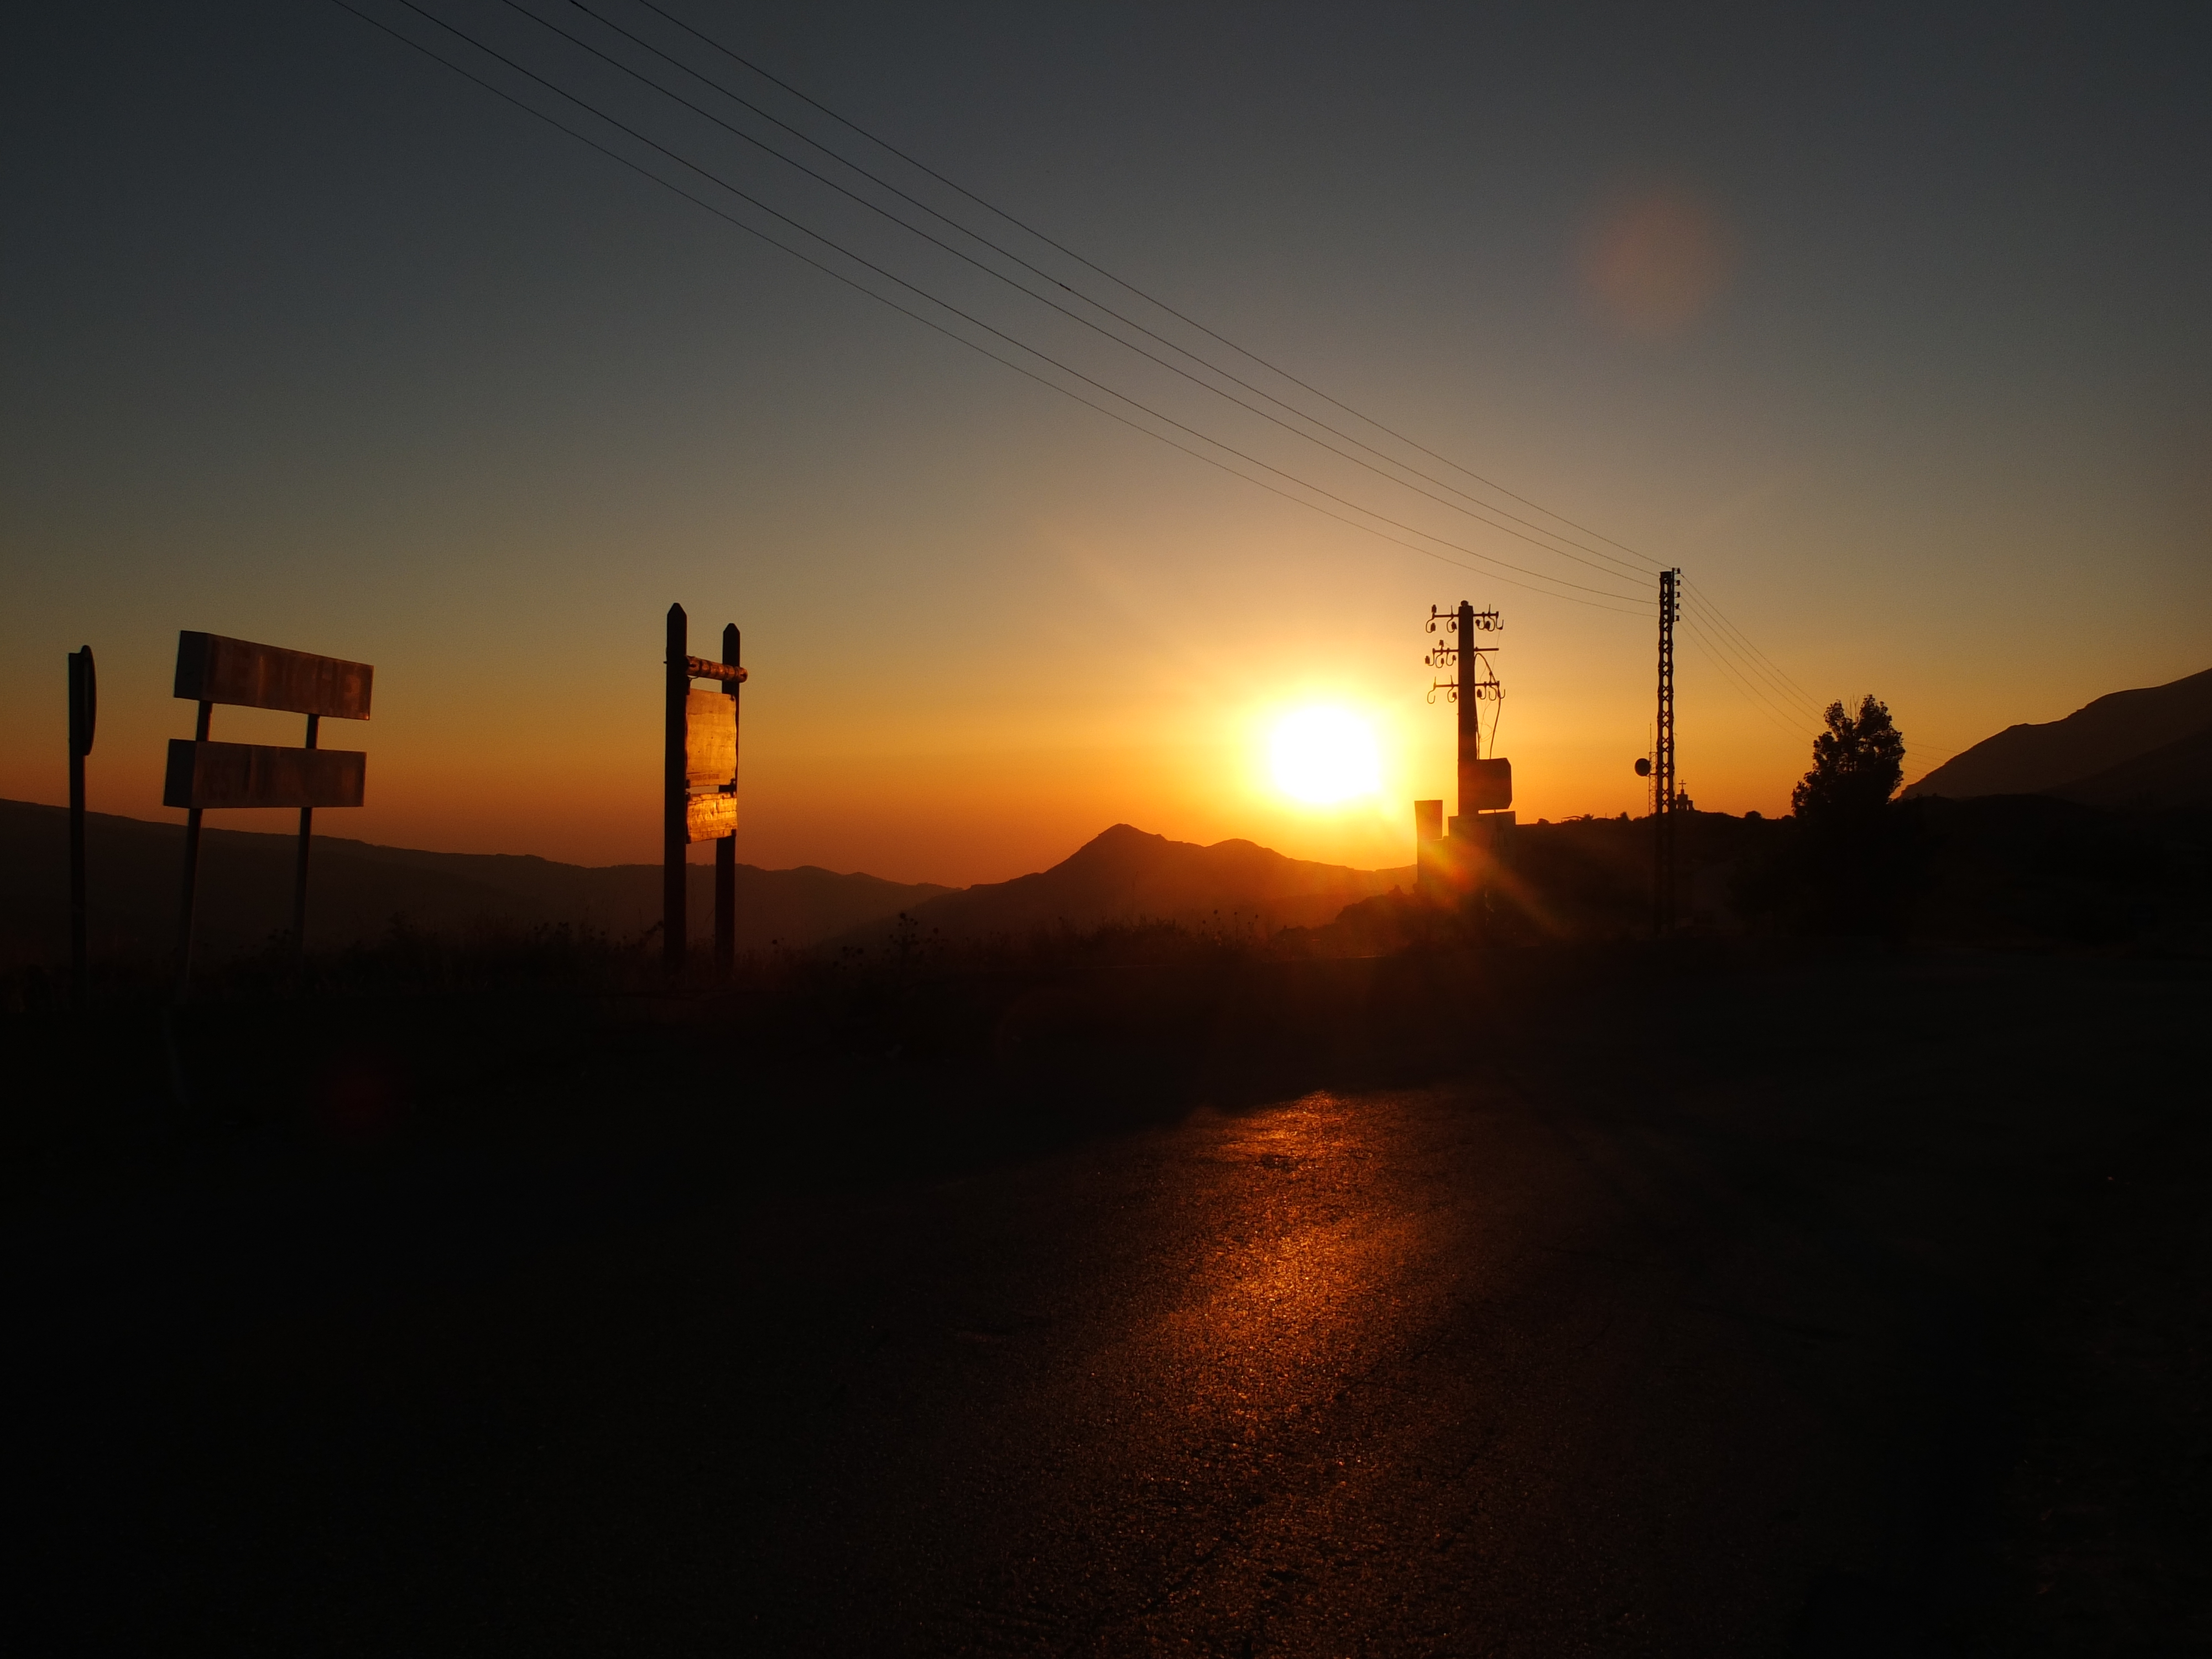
column 675, row 793
column 1470, row 683
column 1457, row 859
column 1470, row 709
column 1663, row 760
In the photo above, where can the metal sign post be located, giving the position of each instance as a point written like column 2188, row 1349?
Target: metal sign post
column 213, row 669
column 84, row 712
column 698, row 751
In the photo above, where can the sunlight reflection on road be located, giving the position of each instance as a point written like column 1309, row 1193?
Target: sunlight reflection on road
column 1305, row 1280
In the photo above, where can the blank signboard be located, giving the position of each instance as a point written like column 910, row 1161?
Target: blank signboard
column 710, row 739
column 212, row 668
column 260, row 775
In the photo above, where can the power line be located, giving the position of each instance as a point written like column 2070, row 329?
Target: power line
column 1760, row 666
column 717, row 179
column 1761, row 679
column 1772, row 669
column 1020, row 224
column 1004, row 252
column 1743, row 687
column 1745, row 677
column 1731, row 640
column 1763, row 665
column 927, row 322
column 1479, row 511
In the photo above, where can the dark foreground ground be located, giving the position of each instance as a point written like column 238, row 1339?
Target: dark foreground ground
column 1833, row 1304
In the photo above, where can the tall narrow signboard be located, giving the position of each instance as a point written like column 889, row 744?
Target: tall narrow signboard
column 699, row 786
column 202, row 773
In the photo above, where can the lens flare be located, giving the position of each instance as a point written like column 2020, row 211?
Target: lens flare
column 1325, row 755
column 1653, row 263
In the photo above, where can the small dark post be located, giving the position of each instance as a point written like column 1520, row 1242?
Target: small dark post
column 191, row 869
column 726, row 849
column 84, row 709
column 299, row 871
column 675, row 833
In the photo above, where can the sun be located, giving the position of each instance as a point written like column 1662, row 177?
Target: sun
column 1323, row 754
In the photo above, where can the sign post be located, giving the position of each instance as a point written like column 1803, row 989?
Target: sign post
column 699, row 751
column 726, row 849
column 674, row 795
column 300, row 868
column 213, row 669
column 83, row 711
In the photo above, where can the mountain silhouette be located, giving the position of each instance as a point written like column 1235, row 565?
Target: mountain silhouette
column 2130, row 748
column 356, row 890
column 1126, row 875
column 2179, row 775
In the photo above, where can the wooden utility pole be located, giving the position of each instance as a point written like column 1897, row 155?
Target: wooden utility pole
column 726, row 848
column 83, row 708
column 675, row 837
column 1470, row 716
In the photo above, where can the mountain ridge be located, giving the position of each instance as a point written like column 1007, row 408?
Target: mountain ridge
column 356, row 890
column 2105, row 734
column 1125, row 874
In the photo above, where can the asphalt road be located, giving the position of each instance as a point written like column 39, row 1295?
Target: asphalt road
column 1719, row 1353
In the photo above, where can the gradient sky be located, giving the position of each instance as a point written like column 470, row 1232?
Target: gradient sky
column 1889, row 327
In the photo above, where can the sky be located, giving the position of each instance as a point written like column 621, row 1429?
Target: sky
column 1886, row 326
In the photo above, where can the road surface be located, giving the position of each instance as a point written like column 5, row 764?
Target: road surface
column 1572, row 1358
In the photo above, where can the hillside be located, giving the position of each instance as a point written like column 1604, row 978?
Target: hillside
column 357, row 889
column 1127, row 875
column 2086, row 747
column 2179, row 775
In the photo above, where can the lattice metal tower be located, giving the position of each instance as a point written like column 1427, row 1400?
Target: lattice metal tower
column 1663, row 759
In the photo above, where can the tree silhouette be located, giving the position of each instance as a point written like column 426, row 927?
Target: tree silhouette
column 1852, row 860
column 1857, row 763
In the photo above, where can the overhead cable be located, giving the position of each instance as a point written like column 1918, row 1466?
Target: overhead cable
column 720, row 213
column 1120, row 282
column 1480, row 511
column 1767, row 668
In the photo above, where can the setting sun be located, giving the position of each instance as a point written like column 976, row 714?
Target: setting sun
column 1324, row 755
